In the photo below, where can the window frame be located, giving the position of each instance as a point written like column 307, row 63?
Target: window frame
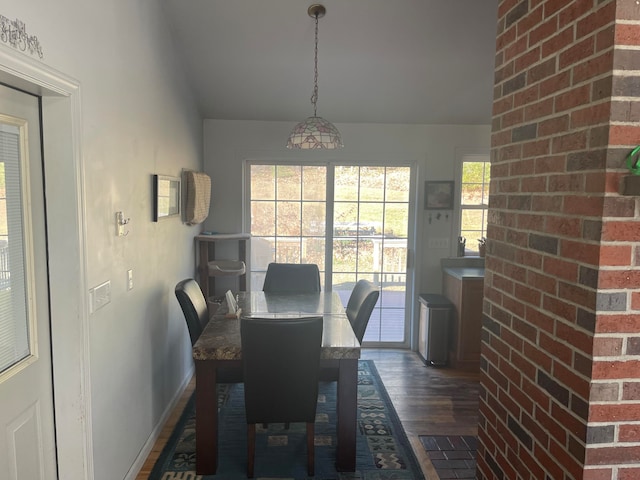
column 469, row 155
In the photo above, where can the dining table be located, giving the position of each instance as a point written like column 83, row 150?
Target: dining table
column 219, row 347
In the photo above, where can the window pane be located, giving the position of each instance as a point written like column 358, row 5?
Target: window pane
column 313, row 218
column 345, row 219
column 347, row 180
column 473, row 172
column 344, row 255
column 366, row 261
column 472, row 220
column 395, row 255
column 371, row 219
column 372, row 184
column 263, row 182
column 14, row 320
column 262, row 253
column 313, row 251
column 397, row 184
column 395, row 219
column 314, row 186
column 289, row 182
column 472, row 193
column 263, row 218
column 288, row 218
column 288, row 250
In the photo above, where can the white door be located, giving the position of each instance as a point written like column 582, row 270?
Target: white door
column 27, row 436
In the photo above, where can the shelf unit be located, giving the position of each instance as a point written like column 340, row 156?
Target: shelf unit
column 209, row 267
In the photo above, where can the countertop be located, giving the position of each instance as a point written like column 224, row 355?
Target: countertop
column 464, row 272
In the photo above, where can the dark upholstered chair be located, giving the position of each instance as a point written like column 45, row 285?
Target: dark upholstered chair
column 281, row 360
column 292, row 278
column 196, row 314
column 362, row 300
column 194, row 307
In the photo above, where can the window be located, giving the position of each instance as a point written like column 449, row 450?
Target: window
column 15, row 342
column 474, row 199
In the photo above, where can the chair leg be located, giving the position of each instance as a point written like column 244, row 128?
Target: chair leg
column 251, row 448
column 311, row 451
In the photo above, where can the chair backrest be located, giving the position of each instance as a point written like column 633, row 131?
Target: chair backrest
column 281, row 359
column 194, row 307
column 362, row 300
column 292, row 278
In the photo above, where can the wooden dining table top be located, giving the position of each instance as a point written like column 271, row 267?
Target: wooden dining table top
column 220, row 339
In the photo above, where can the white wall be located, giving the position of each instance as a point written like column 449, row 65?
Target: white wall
column 227, row 144
column 138, row 118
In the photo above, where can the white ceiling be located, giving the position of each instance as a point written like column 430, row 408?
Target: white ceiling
column 379, row 61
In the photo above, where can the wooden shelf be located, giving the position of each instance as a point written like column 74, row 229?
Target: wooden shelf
column 209, row 267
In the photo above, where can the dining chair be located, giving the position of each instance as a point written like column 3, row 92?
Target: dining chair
column 194, row 307
column 362, row 300
column 292, row 278
column 196, row 315
column 281, row 359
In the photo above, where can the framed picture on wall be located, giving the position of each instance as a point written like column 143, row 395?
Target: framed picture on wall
column 438, row 195
column 166, row 197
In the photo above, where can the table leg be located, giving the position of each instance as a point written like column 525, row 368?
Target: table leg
column 206, row 418
column 347, row 412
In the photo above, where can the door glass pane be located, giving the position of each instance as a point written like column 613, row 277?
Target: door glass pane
column 370, row 242
column 293, row 223
column 263, row 218
column 14, row 323
column 372, row 187
column 397, row 183
column 289, row 183
column 288, row 218
column 263, row 186
column 344, row 186
column 314, row 186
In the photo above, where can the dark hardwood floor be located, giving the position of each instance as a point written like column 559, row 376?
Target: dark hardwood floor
column 429, row 401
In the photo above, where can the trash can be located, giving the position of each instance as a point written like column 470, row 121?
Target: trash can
column 433, row 342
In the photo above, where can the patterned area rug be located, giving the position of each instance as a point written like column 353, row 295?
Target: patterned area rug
column 383, row 451
column 453, row 456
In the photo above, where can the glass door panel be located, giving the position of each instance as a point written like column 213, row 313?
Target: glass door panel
column 366, row 230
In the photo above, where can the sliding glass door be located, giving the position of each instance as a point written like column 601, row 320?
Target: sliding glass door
column 351, row 220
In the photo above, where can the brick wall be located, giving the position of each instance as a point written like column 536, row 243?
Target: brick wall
column 561, row 338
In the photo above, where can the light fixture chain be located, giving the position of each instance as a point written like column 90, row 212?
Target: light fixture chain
column 314, row 97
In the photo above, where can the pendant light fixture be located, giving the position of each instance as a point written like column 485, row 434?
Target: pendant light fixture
column 315, row 132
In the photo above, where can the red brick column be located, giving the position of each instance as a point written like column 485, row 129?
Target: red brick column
column 561, row 338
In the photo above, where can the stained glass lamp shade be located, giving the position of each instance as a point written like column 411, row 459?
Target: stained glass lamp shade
column 315, row 132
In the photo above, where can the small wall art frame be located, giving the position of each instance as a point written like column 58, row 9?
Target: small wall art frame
column 166, row 197
column 438, row 195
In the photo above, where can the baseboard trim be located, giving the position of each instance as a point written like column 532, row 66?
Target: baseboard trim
column 153, row 437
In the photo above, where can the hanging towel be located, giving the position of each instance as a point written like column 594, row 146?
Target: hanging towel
column 198, row 197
